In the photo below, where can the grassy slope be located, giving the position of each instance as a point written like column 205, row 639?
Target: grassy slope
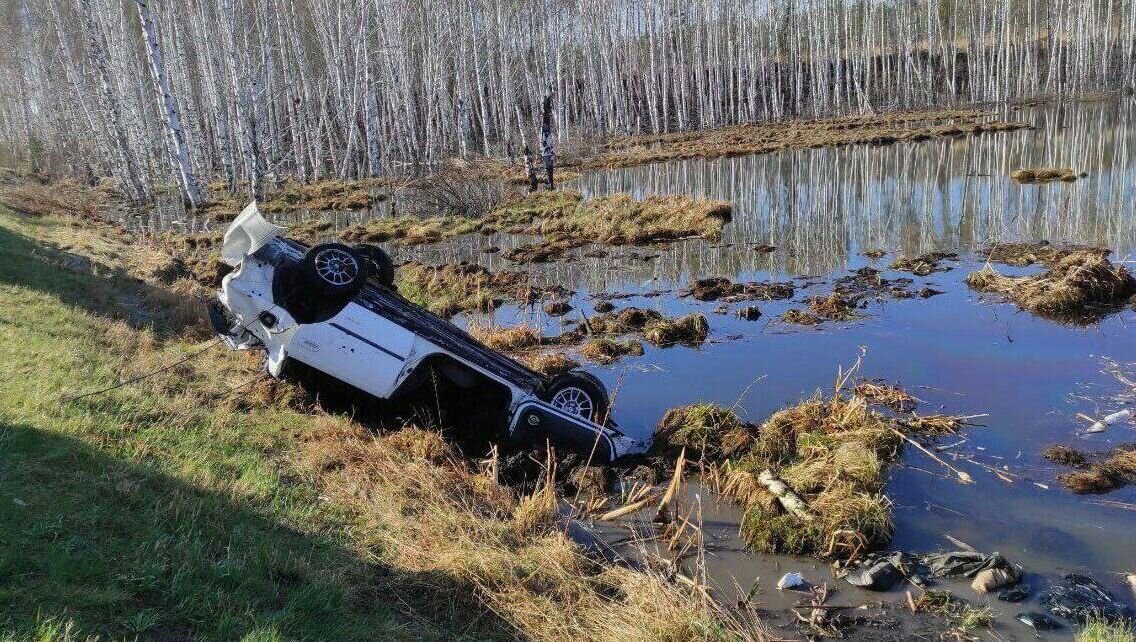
column 212, row 502
column 161, row 508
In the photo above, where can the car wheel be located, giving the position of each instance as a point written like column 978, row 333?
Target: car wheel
column 580, row 394
column 334, row 270
column 379, row 263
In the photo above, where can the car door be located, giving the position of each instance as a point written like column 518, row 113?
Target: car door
column 356, row 346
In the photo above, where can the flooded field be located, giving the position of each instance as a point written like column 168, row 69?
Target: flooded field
column 1032, row 381
column 958, row 352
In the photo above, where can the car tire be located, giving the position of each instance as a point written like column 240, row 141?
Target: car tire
column 579, row 393
column 334, row 270
column 380, row 265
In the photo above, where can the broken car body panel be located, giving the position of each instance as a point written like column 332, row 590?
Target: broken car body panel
column 376, row 340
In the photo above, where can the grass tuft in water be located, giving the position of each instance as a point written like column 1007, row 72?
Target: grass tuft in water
column 1080, row 287
column 1098, row 629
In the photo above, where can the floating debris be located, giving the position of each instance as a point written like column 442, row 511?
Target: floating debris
column 1079, row 598
column 1108, row 420
column 1015, row 594
column 1038, row 621
column 791, row 581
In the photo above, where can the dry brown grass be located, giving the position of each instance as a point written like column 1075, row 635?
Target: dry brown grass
column 416, row 520
column 1066, row 456
column 563, row 216
column 449, row 289
column 543, row 251
column 505, row 339
column 704, row 430
column 1106, row 474
column 1022, row 254
column 800, row 317
column 1080, row 286
column 934, row 425
column 1045, row 175
column 63, row 198
column 888, row 395
column 620, row 219
column 834, row 307
column 408, row 230
column 924, row 264
column 549, row 364
column 606, row 351
column 832, row 453
column 690, row 330
column 472, row 541
column 743, row 140
column 331, row 195
column 625, row 321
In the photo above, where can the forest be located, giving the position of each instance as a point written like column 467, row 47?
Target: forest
column 248, row 91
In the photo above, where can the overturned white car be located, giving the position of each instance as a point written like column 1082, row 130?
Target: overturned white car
column 333, row 308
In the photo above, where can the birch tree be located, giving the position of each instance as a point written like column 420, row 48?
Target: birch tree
column 180, row 150
column 157, row 92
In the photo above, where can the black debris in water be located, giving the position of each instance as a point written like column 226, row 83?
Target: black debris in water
column 964, row 564
column 880, row 577
column 1077, row 598
column 1038, row 621
column 750, row 313
column 1015, row 593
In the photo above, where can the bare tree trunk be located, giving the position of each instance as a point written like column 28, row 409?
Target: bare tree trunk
column 130, row 176
column 530, row 167
column 546, row 140
column 170, row 109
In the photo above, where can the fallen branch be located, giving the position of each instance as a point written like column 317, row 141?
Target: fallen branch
column 963, row 476
column 672, row 488
column 790, row 500
column 625, row 509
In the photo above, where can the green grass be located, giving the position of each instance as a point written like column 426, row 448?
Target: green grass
column 1100, row 630
column 211, row 502
column 165, row 510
